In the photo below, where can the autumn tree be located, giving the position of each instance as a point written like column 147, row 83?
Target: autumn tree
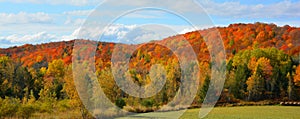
column 269, row 66
column 54, row 78
column 297, row 76
column 108, row 84
column 261, row 72
column 7, row 69
column 15, row 79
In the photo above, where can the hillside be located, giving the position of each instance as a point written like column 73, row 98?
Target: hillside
column 262, row 62
column 236, row 37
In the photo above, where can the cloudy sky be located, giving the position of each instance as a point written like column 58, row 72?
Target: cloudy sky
column 42, row 21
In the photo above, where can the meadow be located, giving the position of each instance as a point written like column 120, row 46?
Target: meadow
column 243, row 112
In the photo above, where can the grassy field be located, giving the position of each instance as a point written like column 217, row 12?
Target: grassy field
column 247, row 112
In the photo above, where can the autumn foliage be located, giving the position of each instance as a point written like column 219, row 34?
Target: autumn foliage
column 262, row 63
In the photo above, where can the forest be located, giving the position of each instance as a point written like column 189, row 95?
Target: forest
column 262, row 64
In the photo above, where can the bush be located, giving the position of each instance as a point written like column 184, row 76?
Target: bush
column 120, row 103
column 25, row 111
column 9, row 107
column 148, row 103
column 63, row 105
column 45, row 107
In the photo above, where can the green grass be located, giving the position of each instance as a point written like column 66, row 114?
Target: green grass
column 246, row 112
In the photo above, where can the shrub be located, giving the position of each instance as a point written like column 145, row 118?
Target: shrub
column 148, row 103
column 25, row 111
column 63, row 105
column 9, row 107
column 45, row 107
column 120, row 103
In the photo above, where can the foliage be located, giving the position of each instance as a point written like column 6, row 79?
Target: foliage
column 261, row 65
column 267, row 70
column 297, row 76
column 120, row 103
column 8, row 107
column 25, row 111
column 148, row 103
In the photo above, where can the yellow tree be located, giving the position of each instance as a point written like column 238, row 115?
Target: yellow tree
column 70, row 89
column 297, row 76
column 54, row 78
column 263, row 64
column 261, row 71
column 108, row 84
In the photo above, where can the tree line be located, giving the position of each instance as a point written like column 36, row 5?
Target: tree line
column 262, row 64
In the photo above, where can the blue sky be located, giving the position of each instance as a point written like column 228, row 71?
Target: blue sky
column 42, row 21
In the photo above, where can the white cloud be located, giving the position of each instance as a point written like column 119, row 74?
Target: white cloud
column 33, row 38
column 186, row 30
column 282, row 23
column 73, row 36
column 142, row 36
column 119, row 30
column 78, row 12
column 115, row 33
column 130, row 33
column 112, row 33
column 41, row 37
column 23, row 18
column 75, row 22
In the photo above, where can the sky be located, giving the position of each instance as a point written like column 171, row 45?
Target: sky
column 42, row 21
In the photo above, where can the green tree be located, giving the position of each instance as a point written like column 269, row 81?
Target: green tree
column 274, row 71
column 204, row 89
column 15, row 80
column 7, row 69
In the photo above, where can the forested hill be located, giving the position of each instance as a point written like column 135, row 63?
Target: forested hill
column 236, row 37
column 262, row 64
